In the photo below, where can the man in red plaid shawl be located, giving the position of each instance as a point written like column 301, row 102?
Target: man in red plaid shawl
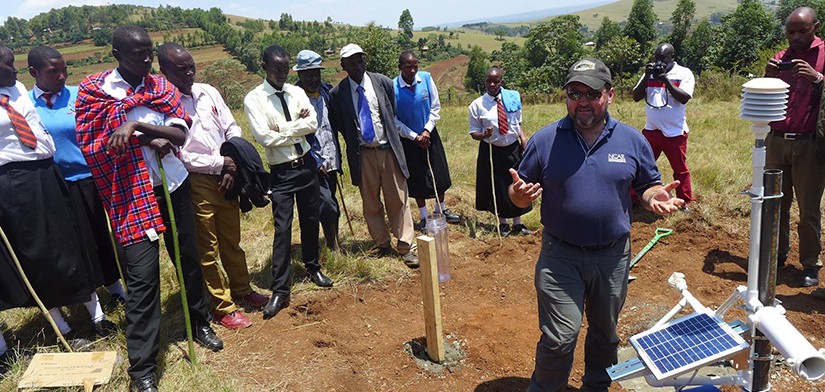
column 128, row 120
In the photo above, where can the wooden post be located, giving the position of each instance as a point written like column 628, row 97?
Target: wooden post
column 432, row 300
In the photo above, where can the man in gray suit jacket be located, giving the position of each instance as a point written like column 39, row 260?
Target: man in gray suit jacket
column 362, row 108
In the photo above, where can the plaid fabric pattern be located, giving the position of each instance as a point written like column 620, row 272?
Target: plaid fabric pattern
column 123, row 181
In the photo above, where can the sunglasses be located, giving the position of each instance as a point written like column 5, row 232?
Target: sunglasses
column 592, row 95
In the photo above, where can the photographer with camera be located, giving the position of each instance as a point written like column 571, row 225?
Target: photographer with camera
column 793, row 142
column 666, row 87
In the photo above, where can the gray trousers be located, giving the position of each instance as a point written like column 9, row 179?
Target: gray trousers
column 571, row 281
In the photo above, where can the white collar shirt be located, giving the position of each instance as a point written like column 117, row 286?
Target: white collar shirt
column 484, row 113
column 212, row 125
column 117, row 87
column 11, row 149
column 38, row 93
column 265, row 112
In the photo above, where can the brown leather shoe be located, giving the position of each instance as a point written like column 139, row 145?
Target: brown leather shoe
column 234, row 320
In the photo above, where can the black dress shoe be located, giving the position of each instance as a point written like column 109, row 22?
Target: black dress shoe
column 452, row 217
column 207, row 338
column 520, row 229
column 145, row 384
column 320, row 279
column 810, row 277
column 105, row 328
column 275, row 304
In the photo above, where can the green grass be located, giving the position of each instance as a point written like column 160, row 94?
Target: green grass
column 487, row 42
column 718, row 154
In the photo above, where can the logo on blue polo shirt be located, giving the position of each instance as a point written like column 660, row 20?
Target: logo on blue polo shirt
column 617, row 158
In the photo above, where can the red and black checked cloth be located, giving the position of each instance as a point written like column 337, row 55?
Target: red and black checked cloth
column 19, row 123
column 123, row 181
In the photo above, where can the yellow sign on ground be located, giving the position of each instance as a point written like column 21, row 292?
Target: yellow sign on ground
column 52, row 370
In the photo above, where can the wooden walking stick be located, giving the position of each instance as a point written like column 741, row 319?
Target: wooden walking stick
column 176, row 246
column 33, row 294
column 344, row 205
column 114, row 250
column 493, row 188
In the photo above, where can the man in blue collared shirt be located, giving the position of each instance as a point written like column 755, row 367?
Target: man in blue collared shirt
column 584, row 165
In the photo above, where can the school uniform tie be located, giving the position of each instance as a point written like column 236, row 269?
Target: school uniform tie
column 288, row 117
column 364, row 115
column 47, row 96
column 19, row 123
column 503, row 125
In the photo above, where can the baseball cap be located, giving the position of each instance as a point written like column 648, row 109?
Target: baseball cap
column 590, row 71
column 308, row 59
column 350, row 49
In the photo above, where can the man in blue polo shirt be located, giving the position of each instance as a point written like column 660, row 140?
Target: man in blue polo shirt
column 584, row 165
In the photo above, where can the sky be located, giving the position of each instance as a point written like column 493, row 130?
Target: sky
column 355, row 12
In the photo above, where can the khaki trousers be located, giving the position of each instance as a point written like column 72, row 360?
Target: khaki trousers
column 218, row 224
column 380, row 173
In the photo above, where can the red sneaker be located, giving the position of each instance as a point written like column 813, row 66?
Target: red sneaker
column 234, row 320
column 255, row 299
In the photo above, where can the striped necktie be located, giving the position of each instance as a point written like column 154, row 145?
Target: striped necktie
column 19, row 123
column 503, row 125
column 47, row 96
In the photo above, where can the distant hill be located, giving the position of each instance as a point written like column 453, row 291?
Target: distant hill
column 526, row 17
column 618, row 11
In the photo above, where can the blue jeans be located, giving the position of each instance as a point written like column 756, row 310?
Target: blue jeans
column 571, row 281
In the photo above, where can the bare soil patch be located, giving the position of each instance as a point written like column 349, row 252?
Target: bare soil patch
column 353, row 338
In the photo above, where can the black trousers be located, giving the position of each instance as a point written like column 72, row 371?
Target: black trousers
column 330, row 211
column 291, row 185
column 143, row 313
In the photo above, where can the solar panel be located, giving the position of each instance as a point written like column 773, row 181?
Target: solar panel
column 686, row 344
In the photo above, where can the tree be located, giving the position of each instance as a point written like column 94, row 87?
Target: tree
column 621, row 54
column 787, row 6
column 227, row 75
column 606, row 32
column 739, row 47
column 476, row 70
column 681, row 18
column 405, row 23
column 697, row 48
column 550, row 49
column 641, row 24
column 102, row 37
column 382, row 54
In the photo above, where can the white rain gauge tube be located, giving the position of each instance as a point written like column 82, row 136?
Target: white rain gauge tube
column 437, row 228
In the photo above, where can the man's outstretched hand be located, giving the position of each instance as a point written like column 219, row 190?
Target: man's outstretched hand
column 658, row 199
column 523, row 193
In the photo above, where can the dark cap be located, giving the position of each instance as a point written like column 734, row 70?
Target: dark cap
column 591, row 72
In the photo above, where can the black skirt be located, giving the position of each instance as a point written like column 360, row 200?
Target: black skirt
column 504, row 158
column 93, row 226
column 36, row 216
column 420, row 183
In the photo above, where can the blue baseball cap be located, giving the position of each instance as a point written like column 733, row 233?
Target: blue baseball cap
column 308, row 59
